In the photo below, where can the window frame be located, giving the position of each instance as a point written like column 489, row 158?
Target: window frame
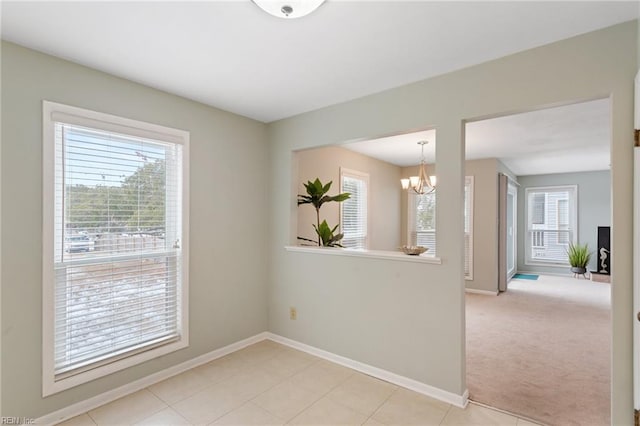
column 470, row 181
column 55, row 112
column 573, row 221
column 411, row 221
column 355, row 174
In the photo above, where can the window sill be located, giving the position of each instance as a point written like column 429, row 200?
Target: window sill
column 371, row 254
column 51, row 386
column 551, row 264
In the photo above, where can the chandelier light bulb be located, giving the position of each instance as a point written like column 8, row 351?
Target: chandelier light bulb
column 421, row 184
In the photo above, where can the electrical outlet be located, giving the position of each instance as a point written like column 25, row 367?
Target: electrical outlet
column 293, row 313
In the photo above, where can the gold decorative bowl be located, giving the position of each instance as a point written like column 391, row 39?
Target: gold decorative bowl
column 413, row 250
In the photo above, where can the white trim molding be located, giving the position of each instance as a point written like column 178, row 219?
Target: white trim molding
column 371, row 254
column 109, row 396
column 405, row 382
column 363, row 177
column 99, row 365
column 485, row 292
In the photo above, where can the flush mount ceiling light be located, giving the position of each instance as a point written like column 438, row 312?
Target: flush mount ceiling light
column 421, row 184
column 288, row 9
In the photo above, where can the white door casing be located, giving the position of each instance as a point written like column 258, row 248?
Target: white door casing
column 636, row 279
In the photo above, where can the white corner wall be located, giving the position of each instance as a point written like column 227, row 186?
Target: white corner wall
column 409, row 318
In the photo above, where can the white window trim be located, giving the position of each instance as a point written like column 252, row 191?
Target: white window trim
column 365, row 177
column 72, row 115
column 527, row 238
column 470, row 180
column 411, row 221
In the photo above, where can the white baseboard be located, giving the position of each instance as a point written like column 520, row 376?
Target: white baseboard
column 553, row 274
column 109, row 396
column 486, row 292
column 405, row 382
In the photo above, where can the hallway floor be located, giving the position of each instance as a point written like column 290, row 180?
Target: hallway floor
column 542, row 350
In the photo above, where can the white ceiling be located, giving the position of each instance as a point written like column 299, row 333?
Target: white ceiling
column 401, row 150
column 570, row 138
column 232, row 55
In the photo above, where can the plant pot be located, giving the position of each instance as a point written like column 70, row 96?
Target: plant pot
column 578, row 270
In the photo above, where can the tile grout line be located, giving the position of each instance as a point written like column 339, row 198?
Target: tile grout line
column 322, row 395
column 383, row 402
column 446, row 414
column 92, row 419
column 254, row 367
column 155, row 412
column 283, row 422
column 283, row 381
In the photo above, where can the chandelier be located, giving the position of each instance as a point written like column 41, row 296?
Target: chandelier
column 421, row 184
column 288, row 9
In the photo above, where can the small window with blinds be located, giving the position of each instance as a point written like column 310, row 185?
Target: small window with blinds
column 115, row 282
column 551, row 217
column 422, row 223
column 354, row 210
column 422, row 218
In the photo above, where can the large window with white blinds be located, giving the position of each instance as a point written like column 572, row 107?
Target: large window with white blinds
column 551, row 217
column 115, row 244
column 422, row 223
column 354, row 221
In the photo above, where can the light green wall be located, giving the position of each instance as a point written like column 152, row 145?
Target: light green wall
column 409, row 319
column 405, row 317
column 594, row 209
column 228, row 174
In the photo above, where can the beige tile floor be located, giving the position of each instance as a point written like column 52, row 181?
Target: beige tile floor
column 271, row 384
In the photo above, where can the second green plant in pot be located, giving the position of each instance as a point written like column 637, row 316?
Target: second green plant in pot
column 317, row 196
column 579, row 257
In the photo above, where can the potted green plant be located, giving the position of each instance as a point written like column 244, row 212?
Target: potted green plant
column 579, row 257
column 317, row 196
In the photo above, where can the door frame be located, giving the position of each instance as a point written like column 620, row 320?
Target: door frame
column 636, row 279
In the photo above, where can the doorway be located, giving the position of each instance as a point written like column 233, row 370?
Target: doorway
column 514, row 339
column 511, row 237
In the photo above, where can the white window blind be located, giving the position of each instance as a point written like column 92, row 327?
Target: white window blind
column 354, row 210
column 538, row 210
column 117, row 247
column 551, row 223
column 422, row 220
column 563, row 221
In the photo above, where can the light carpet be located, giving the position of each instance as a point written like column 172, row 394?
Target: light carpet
column 542, row 350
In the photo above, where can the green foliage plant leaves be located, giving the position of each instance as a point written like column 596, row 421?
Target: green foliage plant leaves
column 316, row 195
column 327, row 235
column 579, row 255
